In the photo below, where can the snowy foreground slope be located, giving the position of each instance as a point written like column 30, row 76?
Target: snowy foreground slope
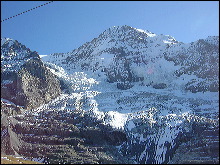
column 151, row 87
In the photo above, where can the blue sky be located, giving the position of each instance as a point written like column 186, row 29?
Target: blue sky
column 62, row 26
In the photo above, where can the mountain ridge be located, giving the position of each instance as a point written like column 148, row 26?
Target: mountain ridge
column 105, row 53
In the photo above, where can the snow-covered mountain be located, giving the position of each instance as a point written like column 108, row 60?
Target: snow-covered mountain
column 151, row 87
column 125, row 71
column 14, row 54
column 125, row 54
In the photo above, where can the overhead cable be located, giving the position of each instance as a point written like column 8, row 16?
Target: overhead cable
column 26, row 11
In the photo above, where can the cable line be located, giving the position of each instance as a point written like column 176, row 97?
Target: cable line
column 26, row 11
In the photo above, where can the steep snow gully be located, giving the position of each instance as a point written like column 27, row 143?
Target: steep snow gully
column 152, row 87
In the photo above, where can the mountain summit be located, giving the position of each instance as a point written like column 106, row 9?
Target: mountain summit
column 125, row 54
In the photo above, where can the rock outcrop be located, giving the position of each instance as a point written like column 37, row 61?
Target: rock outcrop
column 25, row 80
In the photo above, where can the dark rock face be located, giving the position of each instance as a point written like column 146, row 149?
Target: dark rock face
column 124, row 85
column 97, row 136
column 160, row 86
column 202, row 148
column 195, row 86
column 120, row 71
column 28, row 83
column 10, row 109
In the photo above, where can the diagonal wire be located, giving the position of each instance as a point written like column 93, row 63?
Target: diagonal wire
column 26, row 11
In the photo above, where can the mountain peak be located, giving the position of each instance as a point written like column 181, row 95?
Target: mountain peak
column 125, row 28
column 122, row 27
column 125, row 31
column 116, row 29
column 7, row 40
column 15, row 54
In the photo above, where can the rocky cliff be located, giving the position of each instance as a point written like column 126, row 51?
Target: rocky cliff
column 25, row 80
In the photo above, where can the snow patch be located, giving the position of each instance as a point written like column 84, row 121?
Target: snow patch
column 116, row 119
column 146, row 32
